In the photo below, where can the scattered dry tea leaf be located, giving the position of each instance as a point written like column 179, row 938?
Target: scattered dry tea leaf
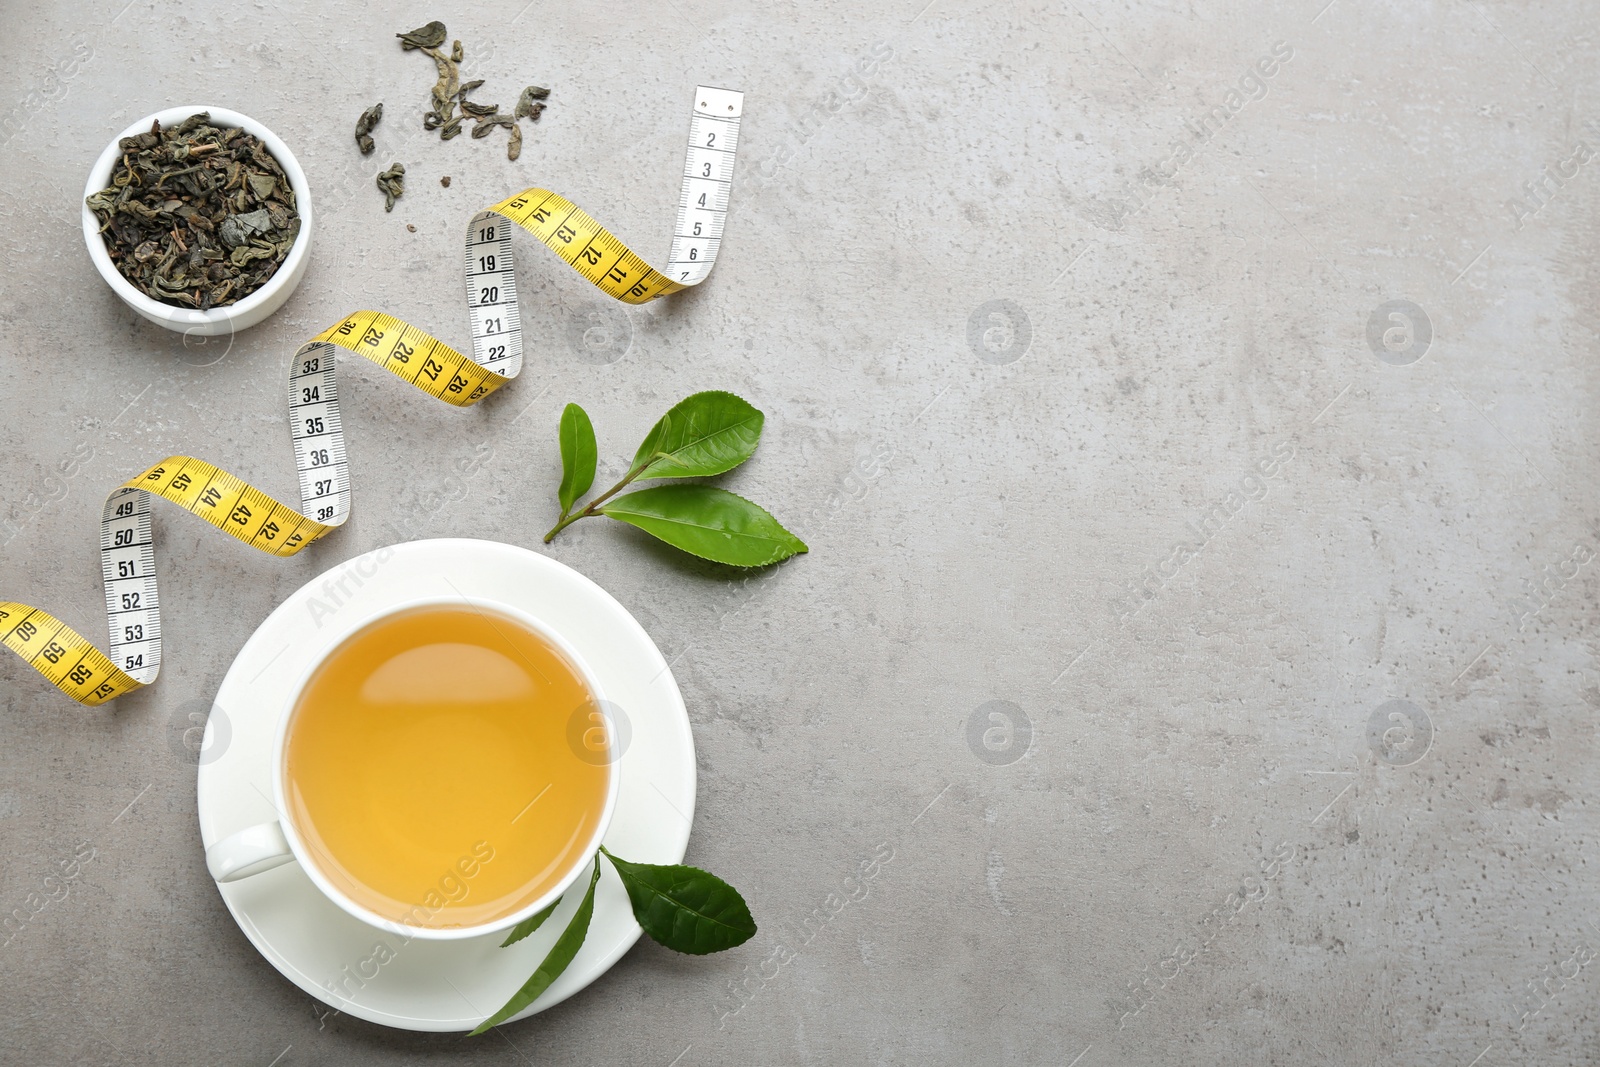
column 449, row 91
column 528, row 101
column 430, row 36
column 489, row 122
column 393, row 184
column 449, row 83
column 364, row 126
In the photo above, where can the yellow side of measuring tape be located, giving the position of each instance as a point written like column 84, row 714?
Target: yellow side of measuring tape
column 79, row 669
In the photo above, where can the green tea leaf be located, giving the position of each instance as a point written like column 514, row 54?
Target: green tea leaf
column 529, row 925
column 703, row 434
column 684, row 908
column 708, row 522
column 560, row 957
column 578, row 455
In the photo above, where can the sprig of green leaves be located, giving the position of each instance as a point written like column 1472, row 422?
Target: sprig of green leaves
column 684, row 908
column 703, row 435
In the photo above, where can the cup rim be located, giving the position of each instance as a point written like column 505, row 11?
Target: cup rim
column 298, row 846
column 169, row 314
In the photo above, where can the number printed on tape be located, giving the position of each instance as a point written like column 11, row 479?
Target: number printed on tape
column 127, row 547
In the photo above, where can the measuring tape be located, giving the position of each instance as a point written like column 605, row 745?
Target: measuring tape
column 127, row 546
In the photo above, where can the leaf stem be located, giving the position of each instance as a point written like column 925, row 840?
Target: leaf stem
column 567, row 520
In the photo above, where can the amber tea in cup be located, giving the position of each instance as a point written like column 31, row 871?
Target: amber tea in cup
column 428, row 772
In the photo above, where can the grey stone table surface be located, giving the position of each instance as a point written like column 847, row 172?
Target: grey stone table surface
column 1191, row 412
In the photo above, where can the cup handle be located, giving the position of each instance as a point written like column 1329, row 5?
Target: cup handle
column 250, row 851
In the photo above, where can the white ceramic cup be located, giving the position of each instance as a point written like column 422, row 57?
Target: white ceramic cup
column 221, row 321
column 267, row 845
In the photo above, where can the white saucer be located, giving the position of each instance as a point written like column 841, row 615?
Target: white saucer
column 444, row 985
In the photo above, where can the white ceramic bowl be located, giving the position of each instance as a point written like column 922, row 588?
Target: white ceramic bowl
column 218, row 321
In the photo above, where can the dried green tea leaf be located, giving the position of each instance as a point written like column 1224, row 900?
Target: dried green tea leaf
column 478, row 110
column 456, row 52
column 514, row 147
column 489, row 122
column 393, row 184
column 364, row 126
column 263, row 185
column 527, row 106
column 430, row 36
column 236, row 230
column 448, row 85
